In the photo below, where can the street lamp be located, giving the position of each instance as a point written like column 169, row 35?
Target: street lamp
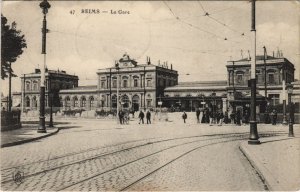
column 253, row 138
column 42, row 128
column 291, row 115
column 50, row 101
column 117, row 68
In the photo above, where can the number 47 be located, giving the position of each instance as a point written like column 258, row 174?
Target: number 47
column 72, row 12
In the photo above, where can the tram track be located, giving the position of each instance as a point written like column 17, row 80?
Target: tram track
column 43, row 170
column 123, row 188
column 184, row 141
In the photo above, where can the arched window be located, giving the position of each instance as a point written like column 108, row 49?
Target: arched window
column 135, row 82
column 92, row 102
column 34, row 102
column 114, row 101
column 75, row 102
column 27, row 102
column 125, row 101
column 68, row 101
column 83, row 102
column 114, row 83
column 27, row 85
column 125, row 83
column 35, row 86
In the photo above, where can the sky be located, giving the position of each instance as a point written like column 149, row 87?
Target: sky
column 174, row 31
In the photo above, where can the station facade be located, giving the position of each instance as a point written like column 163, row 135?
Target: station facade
column 144, row 86
column 139, row 86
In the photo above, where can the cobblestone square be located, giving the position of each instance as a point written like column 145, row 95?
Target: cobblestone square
column 91, row 154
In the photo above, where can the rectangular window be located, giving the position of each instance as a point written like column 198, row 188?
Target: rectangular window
column 114, row 83
column 274, row 98
column 102, row 84
column 271, row 78
column 125, row 83
column 149, row 102
column 148, row 82
column 135, row 83
column 240, row 78
column 27, row 86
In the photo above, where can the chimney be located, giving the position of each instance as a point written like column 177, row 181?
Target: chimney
column 273, row 54
column 281, row 53
column 171, row 66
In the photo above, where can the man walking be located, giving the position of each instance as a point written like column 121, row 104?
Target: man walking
column 141, row 116
column 121, row 117
column 198, row 115
column 274, row 117
column 184, row 116
column 148, row 116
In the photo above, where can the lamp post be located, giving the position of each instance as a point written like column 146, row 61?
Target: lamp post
column 253, row 138
column 42, row 128
column 50, row 93
column 291, row 115
column 117, row 68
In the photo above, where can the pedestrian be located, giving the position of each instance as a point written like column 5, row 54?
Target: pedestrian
column 238, row 117
column 141, row 117
column 148, row 116
column 274, row 117
column 221, row 118
column 184, row 116
column 233, row 118
column 203, row 119
column 121, row 117
column 211, row 117
column 198, row 115
column 226, row 117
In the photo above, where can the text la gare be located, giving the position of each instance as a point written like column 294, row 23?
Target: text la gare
column 121, row 12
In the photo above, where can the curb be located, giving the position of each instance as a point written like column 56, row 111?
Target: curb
column 28, row 140
column 254, row 163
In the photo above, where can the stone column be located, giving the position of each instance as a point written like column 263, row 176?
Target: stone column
column 224, row 100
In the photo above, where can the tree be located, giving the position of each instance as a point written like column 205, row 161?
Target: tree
column 13, row 43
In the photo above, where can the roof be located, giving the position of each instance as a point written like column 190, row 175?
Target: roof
column 259, row 57
column 87, row 88
column 199, row 85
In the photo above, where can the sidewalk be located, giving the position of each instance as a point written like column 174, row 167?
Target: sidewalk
column 27, row 133
column 277, row 161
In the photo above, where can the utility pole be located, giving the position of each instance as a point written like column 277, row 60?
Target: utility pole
column 9, row 89
column 50, row 93
column 284, row 120
column 23, row 95
column 265, row 65
column 253, row 139
column 118, row 68
column 42, row 128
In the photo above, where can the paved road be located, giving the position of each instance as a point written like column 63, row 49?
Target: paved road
column 102, row 155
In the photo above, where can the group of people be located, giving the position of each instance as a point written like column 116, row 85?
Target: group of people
column 142, row 115
column 219, row 117
column 123, row 117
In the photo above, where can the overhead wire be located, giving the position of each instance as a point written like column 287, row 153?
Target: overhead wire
column 208, row 14
column 192, row 25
